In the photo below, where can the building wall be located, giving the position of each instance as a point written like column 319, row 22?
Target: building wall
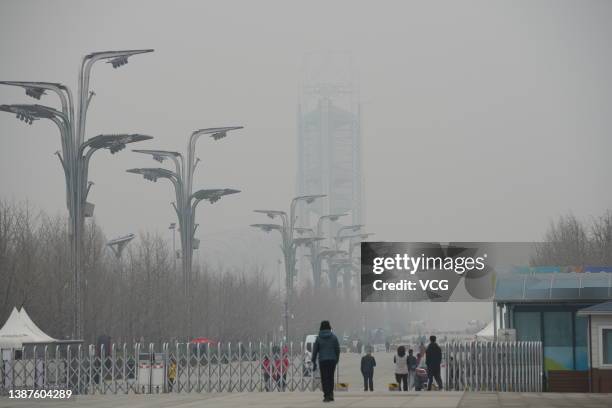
column 596, row 323
column 562, row 333
column 602, row 380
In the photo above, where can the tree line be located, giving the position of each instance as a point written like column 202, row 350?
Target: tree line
column 139, row 297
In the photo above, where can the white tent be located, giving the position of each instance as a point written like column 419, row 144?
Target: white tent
column 487, row 333
column 19, row 329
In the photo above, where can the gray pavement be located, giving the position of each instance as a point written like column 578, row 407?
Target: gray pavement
column 377, row 399
column 355, row 397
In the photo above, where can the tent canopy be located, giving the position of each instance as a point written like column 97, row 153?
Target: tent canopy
column 19, row 329
column 487, row 333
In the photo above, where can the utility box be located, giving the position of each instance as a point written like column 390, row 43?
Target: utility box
column 88, row 210
column 151, row 373
column 195, row 243
column 506, row 334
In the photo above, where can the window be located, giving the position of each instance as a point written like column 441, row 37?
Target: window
column 527, row 326
column 581, row 351
column 558, row 339
column 558, row 329
column 606, row 345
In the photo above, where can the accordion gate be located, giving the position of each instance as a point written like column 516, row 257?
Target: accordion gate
column 494, row 366
column 244, row 367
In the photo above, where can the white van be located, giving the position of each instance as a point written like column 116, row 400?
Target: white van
column 309, row 342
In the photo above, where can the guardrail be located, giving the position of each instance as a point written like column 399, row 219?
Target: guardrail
column 494, row 366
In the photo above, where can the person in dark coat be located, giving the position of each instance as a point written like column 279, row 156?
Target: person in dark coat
column 412, row 365
column 327, row 349
column 433, row 359
column 368, row 362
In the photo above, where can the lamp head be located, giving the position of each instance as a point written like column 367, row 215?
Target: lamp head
column 213, row 195
column 152, row 174
column 267, row 227
column 271, row 213
column 216, row 133
column 115, row 143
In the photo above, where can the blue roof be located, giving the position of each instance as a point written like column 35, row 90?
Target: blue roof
column 601, row 308
column 553, row 286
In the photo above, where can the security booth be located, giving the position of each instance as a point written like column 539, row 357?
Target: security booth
column 599, row 323
column 542, row 304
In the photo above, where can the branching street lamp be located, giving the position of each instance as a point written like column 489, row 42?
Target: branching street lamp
column 186, row 200
column 71, row 121
column 346, row 265
column 315, row 248
column 117, row 245
column 289, row 243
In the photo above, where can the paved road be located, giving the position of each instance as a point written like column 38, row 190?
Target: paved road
column 384, row 373
column 353, row 399
column 349, row 370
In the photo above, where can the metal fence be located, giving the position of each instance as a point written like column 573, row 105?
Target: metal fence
column 242, row 367
column 494, row 366
column 179, row 368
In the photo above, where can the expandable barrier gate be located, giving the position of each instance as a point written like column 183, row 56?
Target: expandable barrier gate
column 179, row 368
column 243, row 367
column 494, row 366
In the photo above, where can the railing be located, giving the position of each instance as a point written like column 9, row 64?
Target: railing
column 179, row 368
column 494, row 366
column 242, row 367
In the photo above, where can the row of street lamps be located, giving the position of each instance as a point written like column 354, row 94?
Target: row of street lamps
column 76, row 153
column 337, row 258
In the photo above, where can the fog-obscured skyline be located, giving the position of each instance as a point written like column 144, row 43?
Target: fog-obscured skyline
column 482, row 121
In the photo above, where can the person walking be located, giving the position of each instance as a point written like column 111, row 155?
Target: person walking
column 281, row 366
column 266, row 368
column 368, row 362
column 171, row 374
column 327, row 349
column 433, row 359
column 401, row 368
column 412, row 365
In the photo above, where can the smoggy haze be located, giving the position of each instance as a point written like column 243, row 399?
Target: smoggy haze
column 480, row 123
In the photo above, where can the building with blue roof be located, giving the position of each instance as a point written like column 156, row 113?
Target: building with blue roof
column 543, row 304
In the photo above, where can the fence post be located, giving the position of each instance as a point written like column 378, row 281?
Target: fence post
column 35, row 368
column 251, row 374
column 219, row 367
column 208, row 367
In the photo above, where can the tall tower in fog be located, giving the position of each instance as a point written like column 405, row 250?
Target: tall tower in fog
column 329, row 140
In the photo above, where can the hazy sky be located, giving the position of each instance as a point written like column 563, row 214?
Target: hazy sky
column 482, row 121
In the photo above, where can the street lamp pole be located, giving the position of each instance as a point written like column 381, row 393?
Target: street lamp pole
column 315, row 249
column 186, row 200
column 347, row 264
column 117, row 245
column 73, row 157
column 289, row 244
column 173, row 228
